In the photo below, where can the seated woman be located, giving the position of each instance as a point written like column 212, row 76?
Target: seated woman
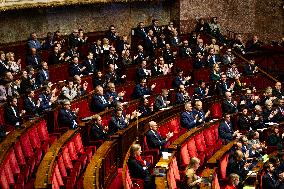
column 274, row 138
column 215, row 75
column 234, row 180
column 138, row 168
column 191, row 179
column 13, row 66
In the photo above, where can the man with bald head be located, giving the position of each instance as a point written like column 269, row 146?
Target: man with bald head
column 229, row 106
column 202, row 116
column 154, row 139
column 188, row 119
column 277, row 90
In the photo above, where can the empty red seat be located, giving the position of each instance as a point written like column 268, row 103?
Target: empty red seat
column 185, row 158
column 223, row 163
column 192, row 151
column 216, row 111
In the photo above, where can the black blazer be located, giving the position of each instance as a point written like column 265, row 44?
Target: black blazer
column 10, row 117
column 154, row 140
column 98, row 105
column 31, row 60
column 136, row 169
column 270, row 182
column 228, row 107
column 97, row 133
column 30, row 107
column 66, row 118
column 41, row 77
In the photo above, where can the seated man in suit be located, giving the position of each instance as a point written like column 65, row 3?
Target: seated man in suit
column 138, row 168
column 75, row 68
column 47, row 98
column 98, row 131
column 42, row 75
column 30, row 104
column 90, row 64
column 212, row 58
column 140, row 56
column 182, row 95
column 188, row 119
column 199, row 61
column 33, row 42
column 56, row 57
column 154, row 139
column 224, row 86
column 201, row 91
column 250, row 69
column 277, row 90
column 141, row 89
column 11, row 113
column 140, row 31
column 269, row 180
column 238, row 165
column 180, row 80
column 111, row 93
column 111, row 34
column 113, row 76
column 202, row 116
column 228, row 105
column 67, row 117
column 144, row 108
column 118, row 121
column 162, row 100
column 100, row 102
column 142, row 71
column 185, row 50
column 33, row 59
column 225, row 130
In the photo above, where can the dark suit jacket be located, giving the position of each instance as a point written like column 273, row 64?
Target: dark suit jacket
column 180, row 98
column 30, row 106
column 225, row 132
column 98, row 105
column 211, row 61
column 168, row 56
column 201, row 116
column 10, row 117
column 140, row 74
column 3, row 67
column 228, row 107
column 175, row 41
column 111, row 36
column 140, row 57
column 144, row 110
column 155, row 71
column 199, row 93
column 237, row 168
column 248, row 69
column 41, row 77
column 277, row 93
column 74, row 69
column 90, row 65
column 112, row 77
column 116, row 124
column 222, row 87
column 67, row 118
column 31, row 60
column 177, row 82
column 187, row 120
column 140, row 91
column 184, row 53
column 154, row 140
column 54, row 59
column 270, row 182
column 199, row 63
column 140, row 33
column 244, row 123
column 44, row 104
column 136, row 169
column 160, row 102
column 97, row 133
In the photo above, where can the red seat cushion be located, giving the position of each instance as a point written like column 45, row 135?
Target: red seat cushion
column 184, row 154
column 200, row 142
column 192, row 148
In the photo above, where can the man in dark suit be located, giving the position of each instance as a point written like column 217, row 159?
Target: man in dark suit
column 75, row 68
column 155, row 28
column 42, row 75
column 99, row 102
column 212, row 58
column 277, row 90
column 269, row 180
column 98, row 131
column 144, row 108
column 141, row 89
column 140, row 56
column 225, row 130
column 228, row 105
column 168, row 54
column 140, row 31
column 154, row 139
column 33, row 42
column 224, row 85
column 118, row 121
column 47, row 98
column 180, row 80
column 185, row 50
column 175, row 40
column 182, row 95
column 3, row 64
column 156, row 69
column 250, row 69
column 199, row 61
column 188, row 119
column 112, row 57
column 112, row 34
column 162, row 100
column 202, row 117
column 142, row 71
column 112, row 75
column 11, row 113
column 66, row 117
column 201, row 91
column 55, row 57
column 73, row 38
column 33, row 58
column 111, row 93
column 30, row 104
column 237, row 165
column 90, row 64
column 96, row 49
column 122, row 44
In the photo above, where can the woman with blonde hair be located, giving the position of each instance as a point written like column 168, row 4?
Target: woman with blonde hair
column 138, row 167
column 192, row 181
column 234, row 180
column 13, row 66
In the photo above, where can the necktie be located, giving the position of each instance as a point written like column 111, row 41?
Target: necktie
column 15, row 113
column 36, row 61
column 103, row 99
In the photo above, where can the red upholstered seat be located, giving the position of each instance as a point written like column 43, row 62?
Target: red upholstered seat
column 209, row 136
column 192, row 151
column 153, row 152
column 164, row 130
column 66, row 158
column 216, row 184
column 174, row 125
column 3, row 180
column 58, row 176
column 61, row 166
column 223, row 163
column 200, row 142
column 185, row 158
column 216, row 111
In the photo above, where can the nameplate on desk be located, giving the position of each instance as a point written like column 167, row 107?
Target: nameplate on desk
column 87, row 118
